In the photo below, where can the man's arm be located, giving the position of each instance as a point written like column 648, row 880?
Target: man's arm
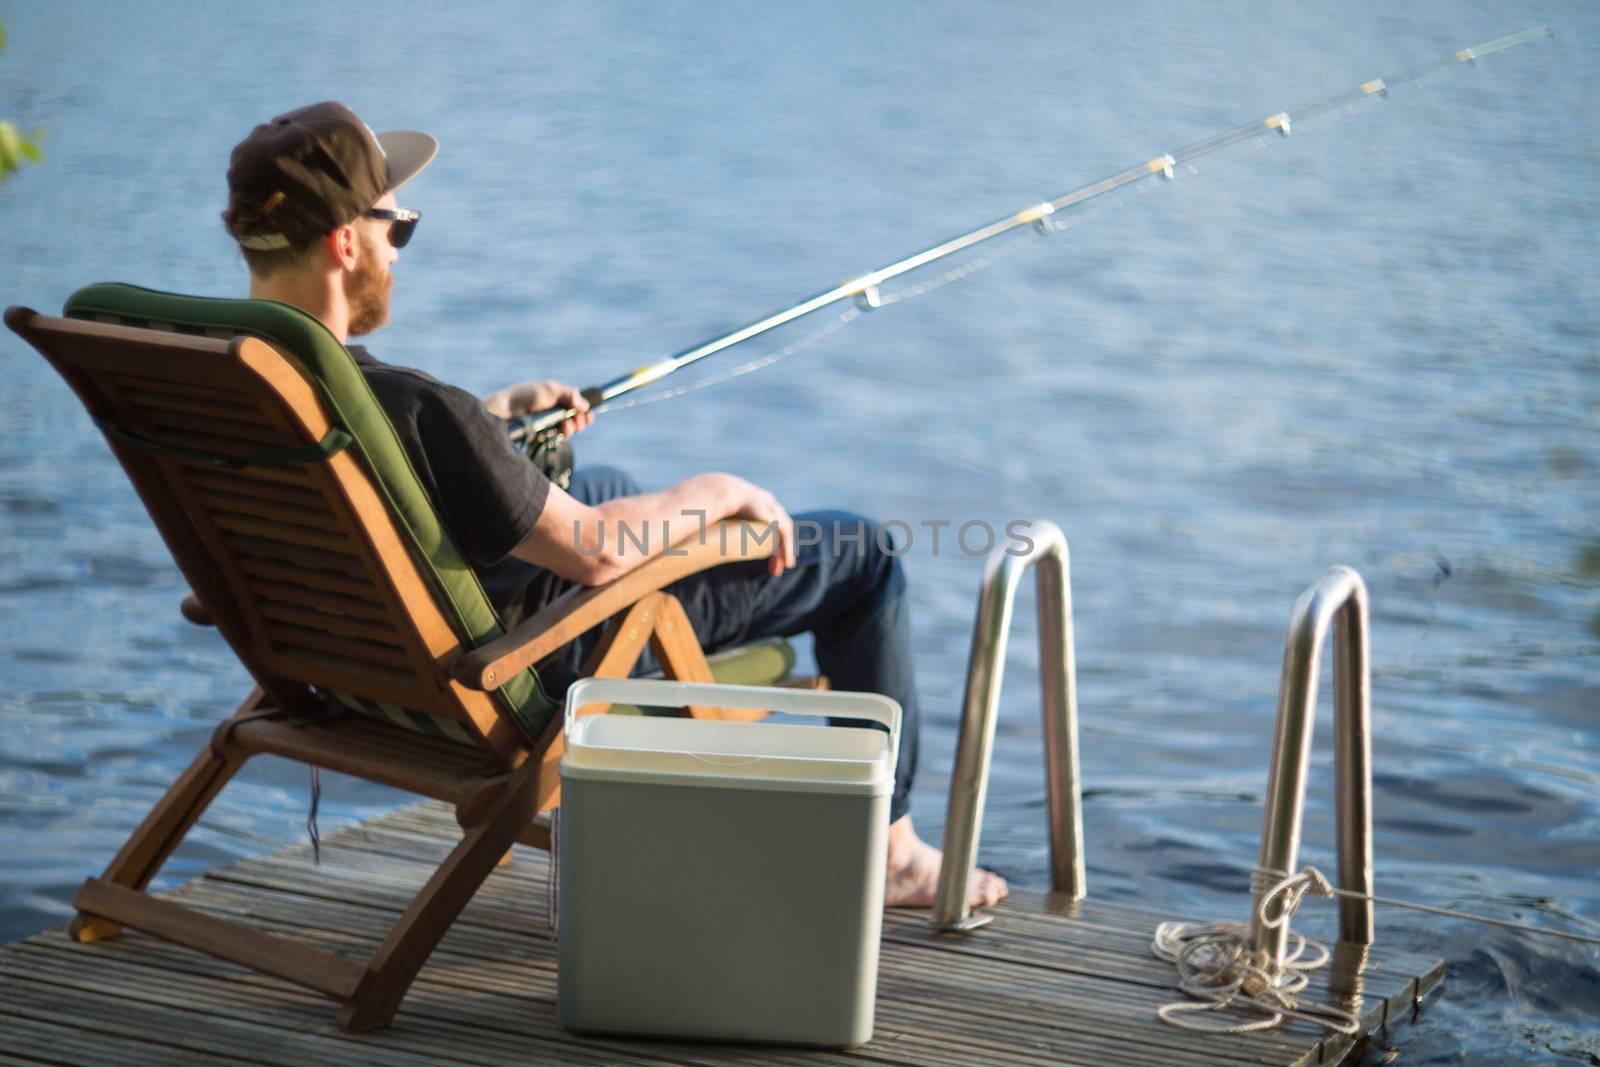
column 585, row 544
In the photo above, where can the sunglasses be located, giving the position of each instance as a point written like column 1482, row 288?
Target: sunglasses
column 402, row 223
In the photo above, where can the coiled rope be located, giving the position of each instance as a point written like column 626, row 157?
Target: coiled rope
column 1217, row 965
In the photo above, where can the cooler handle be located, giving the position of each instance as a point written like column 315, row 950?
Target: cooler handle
column 667, row 694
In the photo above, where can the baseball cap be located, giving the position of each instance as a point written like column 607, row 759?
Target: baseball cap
column 312, row 170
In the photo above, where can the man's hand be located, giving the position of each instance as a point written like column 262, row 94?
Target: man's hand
column 757, row 504
column 528, row 397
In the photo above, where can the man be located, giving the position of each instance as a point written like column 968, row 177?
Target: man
column 312, row 206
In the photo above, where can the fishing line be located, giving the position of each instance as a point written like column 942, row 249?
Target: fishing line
column 777, row 355
column 954, row 274
column 538, row 431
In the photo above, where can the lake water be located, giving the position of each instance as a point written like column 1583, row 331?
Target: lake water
column 1373, row 343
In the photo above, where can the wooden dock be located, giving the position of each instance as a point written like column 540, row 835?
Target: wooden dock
column 1048, row 982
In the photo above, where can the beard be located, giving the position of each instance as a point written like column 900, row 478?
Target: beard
column 367, row 292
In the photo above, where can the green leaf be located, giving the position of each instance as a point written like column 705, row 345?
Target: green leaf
column 10, row 147
column 14, row 148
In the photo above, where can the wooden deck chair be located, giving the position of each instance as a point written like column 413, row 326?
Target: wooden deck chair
column 290, row 507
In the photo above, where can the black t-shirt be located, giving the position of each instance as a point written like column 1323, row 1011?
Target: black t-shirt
column 488, row 494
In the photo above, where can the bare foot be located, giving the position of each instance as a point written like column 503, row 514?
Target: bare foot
column 913, row 878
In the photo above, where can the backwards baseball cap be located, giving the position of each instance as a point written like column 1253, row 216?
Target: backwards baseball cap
column 313, row 170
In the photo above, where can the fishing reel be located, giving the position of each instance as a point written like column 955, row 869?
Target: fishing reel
column 539, row 436
column 551, row 452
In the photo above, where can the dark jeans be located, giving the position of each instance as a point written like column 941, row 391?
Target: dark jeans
column 846, row 591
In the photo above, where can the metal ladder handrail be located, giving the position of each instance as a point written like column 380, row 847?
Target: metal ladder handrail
column 1337, row 601
column 969, row 781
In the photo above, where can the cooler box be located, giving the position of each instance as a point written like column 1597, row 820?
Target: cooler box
column 723, row 880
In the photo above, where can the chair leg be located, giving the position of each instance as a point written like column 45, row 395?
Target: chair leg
column 678, row 650
column 168, row 822
column 676, row 646
column 619, row 649
column 622, row 644
column 413, row 938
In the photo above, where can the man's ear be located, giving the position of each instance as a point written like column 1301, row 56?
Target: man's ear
column 343, row 247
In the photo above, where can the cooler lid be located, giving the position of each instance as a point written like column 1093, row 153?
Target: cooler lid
column 747, row 755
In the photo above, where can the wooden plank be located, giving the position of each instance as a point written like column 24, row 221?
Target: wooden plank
column 15, row 1060
column 453, row 1029
column 221, row 390
column 332, row 975
column 59, row 1043
column 368, row 738
column 388, row 883
column 314, row 515
column 191, row 1020
column 288, row 637
column 240, row 482
column 196, row 366
column 319, row 600
column 467, row 764
column 333, row 623
column 341, row 925
column 1040, row 997
column 435, row 771
column 333, row 672
column 536, row 836
column 1130, row 962
column 295, row 477
column 331, row 580
column 233, row 406
column 223, row 421
column 273, row 549
column 199, row 441
column 293, row 535
column 386, row 895
column 1029, row 926
column 380, row 740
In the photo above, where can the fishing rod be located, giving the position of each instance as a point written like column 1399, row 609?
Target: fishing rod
column 538, row 433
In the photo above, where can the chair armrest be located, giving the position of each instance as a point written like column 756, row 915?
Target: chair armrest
column 195, row 612
column 580, row 610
